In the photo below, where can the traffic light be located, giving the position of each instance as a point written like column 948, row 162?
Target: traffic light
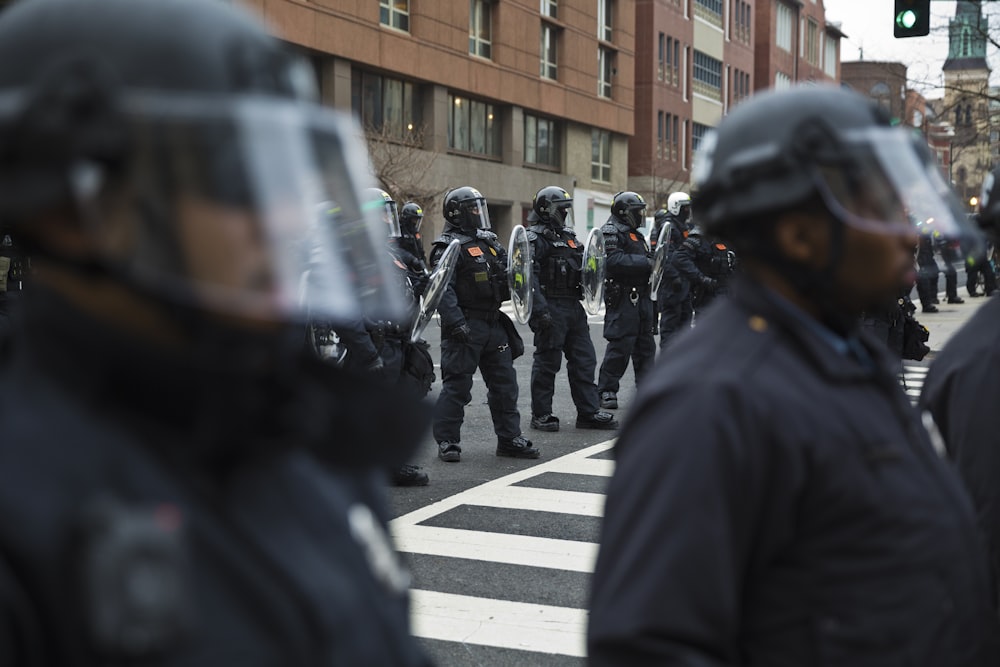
column 912, row 18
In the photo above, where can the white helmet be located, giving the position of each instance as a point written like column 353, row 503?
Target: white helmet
column 676, row 200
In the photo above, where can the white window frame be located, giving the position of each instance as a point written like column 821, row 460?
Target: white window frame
column 783, row 27
column 548, row 40
column 394, row 16
column 478, row 45
column 605, row 26
column 605, row 70
column 602, row 167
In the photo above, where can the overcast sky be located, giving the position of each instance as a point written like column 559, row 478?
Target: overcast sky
column 868, row 26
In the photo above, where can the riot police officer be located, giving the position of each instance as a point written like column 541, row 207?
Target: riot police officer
column 475, row 332
column 949, row 255
column 14, row 269
column 629, row 326
column 411, row 216
column 181, row 483
column 557, row 318
column 706, row 265
column 927, row 274
column 672, row 300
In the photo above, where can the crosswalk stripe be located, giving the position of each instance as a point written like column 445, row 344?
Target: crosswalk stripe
column 542, row 500
column 578, row 466
column 501, row 623
column 545, row 552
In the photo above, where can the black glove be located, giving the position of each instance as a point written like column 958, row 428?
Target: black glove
column 542, row 321
column 460, row 333
column 709, row 284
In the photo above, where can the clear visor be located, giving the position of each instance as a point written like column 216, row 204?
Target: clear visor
column 477, row 215
column 887, row 187
column 220, row 209
column 385, row 212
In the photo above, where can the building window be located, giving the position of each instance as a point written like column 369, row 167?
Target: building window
column 548, row 49
column 709, row 10
column 541, row 141
column 674, row 138
column 385, row 105
column 473, row 127
column 604, row 10
column 480, row 28
column 659, row 134
column 741, row 21
column 697, row 133
column 549, row 8
column 812, row 42
column 605, row 68
column 830, row 58
column 740, row 85
column 707, row 75
column 666, row 136
column 395, row 13
column 674, row 63
column 661, row 61
column 782, row 81
column 784, row 29
column 600, row 155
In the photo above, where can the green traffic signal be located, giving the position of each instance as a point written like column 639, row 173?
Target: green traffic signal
column 912, row 18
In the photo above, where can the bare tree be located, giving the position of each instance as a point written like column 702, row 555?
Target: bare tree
column 402, row 166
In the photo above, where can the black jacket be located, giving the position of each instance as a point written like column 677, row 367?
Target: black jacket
column 252, row 486
column 962, row 390
column 777, row 503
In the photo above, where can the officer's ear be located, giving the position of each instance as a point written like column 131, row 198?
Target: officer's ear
column 802, row 237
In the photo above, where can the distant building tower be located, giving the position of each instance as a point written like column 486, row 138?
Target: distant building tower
column 966, row 98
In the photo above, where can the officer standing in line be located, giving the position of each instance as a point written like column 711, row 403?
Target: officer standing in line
column 475, row 332
column 961, row 392
column 181, row 484
column 949, row 255
column 14, row 270
column 672, row 297
column 557, row 317
column 629, row 325
column 776, row 500
column 706, row 265
column 927, row 274
column 411, row 216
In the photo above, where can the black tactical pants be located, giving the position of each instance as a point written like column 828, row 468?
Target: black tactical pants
column 675, row 314
column 488, row 350
column 927, row 280
column 569, row 335
column 950, row 280
column 628, row 329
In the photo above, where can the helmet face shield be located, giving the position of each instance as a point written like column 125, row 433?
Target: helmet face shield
column 385, row 211
column 886, row 187
column 219, row 209
column 477, row 216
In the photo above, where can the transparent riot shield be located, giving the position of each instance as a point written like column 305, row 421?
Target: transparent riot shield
column 519, row 273
column 436, row 284
column 592, row 272
column 659, row 260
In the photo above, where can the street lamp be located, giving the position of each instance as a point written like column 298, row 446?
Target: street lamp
column 973, row 201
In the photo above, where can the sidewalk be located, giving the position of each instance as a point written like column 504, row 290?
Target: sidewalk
column 950, row 319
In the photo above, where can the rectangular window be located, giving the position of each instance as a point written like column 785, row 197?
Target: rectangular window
column 473, row 127
column 812, row 42
column 600, row 155
column 830, row 58
column 675, row 139
column 541, row 141
column 385, row 104
column 677, row 63
column 707, row 75
column 709, row 11
column 395, row 13
column 604, row 11
column 605, row 68
column 549, row 8
column 480, row 28
column 697, row 133
column 661, row 60
column 547, row 48
column 785, row 26
column 659, row 134
column 782, row 81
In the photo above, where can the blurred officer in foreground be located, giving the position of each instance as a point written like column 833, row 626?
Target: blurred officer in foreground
column 673, row 297
column 181, row 483
column 797, row 514
column 629, row 326
column 475, row 333
column 962, row 390
column 557, row 317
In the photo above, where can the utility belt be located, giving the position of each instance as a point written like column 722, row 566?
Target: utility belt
column 491, row 316
column 616, row 293
column 553, row 292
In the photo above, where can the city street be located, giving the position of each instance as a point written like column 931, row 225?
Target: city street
column 501, row 550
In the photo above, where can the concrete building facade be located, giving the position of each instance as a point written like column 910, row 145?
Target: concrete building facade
column 694, row 60
column 505, row 96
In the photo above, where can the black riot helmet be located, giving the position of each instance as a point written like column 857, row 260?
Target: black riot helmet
column 411, row 216
column 629, row 208
column 832, row 148
column 553, row 206
column 465, row 209
column 188, row 145
column 382, row 205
